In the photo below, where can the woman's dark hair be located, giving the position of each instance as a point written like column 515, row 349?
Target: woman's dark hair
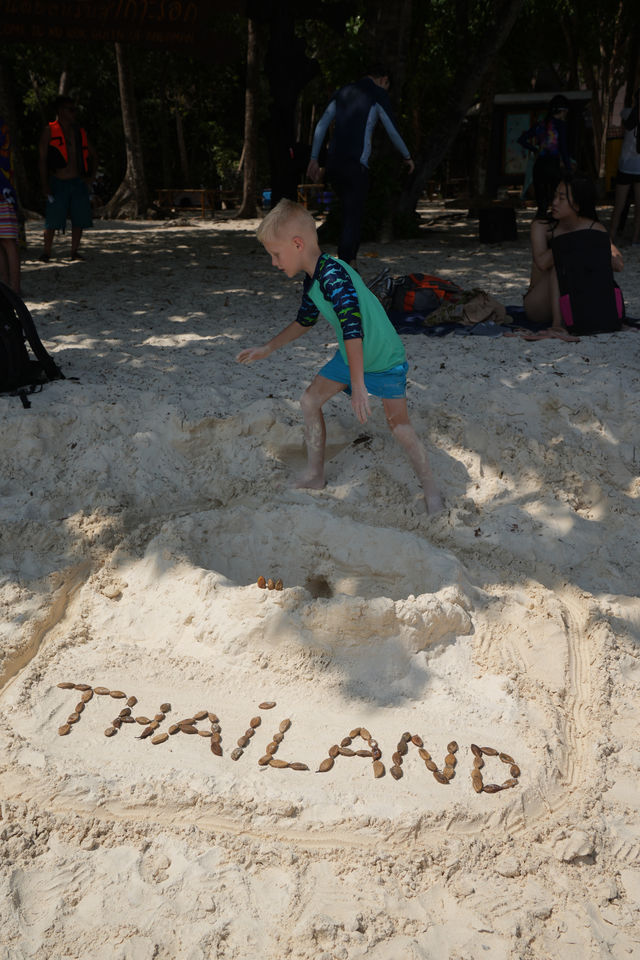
column 582, row 197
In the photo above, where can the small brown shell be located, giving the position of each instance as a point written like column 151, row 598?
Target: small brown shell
column 213, row 717
column 265, row 705
column 126, row 719
column 346, row 742
column 477, row 785
column 278, row 737
column 143, row 721
column 406, row 736
column 159, row 717
column 326, row 764
column 396, row 772
column 270, row 584
column 506, row 758
column 262, row 583
column 146, row 732
column 478, row 763
column 278, row 764
column 417, row 740
column 216, row 748
column 67, row 685
column 188, row 720
column 173, row 728
column 237, row 753
column 378, row 769
column 249, row 732
column 396, row 758
column 79, row 707
column 440, row 777
column 131, row 702
column 364, row 753
column 271, row 748
column 201, row 715
column 402, row 748
column 241, row 741
column 65, row 728
column 73, row 718
column 334, row 751
column 492, row 788
column 364, row 733
column 449, row 772
column 109, row 732
column 216, row 737
column 424, row 754
column 450, row 759
column 255, row 722
column 165, row 707
column 215, row 728
column 205, row 733
column 347, row 751
column 475, row 750
column 452, row 747
column 82, row 686
column 355, row 732
column 263, row 761
column 297, row 765
column 86, row 696
column 117, row 694
column 431, row 765
column 284, row 726
column 187, row 728
column 160, row 738
column 125, row 712
column 475, row 774
column 279, row 584
column 489, row 751
column 116, row 722
column 376, row 753
column 513, row 782
column 102, row 691
column 514, row 770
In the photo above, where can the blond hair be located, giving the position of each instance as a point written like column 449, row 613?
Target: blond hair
column 286, row 219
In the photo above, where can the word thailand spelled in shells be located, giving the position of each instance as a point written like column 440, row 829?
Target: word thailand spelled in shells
column 191, row 726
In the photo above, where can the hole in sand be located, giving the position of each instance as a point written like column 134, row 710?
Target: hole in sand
column 319, row 588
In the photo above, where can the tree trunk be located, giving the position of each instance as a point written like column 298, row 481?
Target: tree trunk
column 182, row 147
column 248, row 208
column 130, row 199
column 8, row 110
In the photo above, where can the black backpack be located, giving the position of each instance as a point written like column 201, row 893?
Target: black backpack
column 19, row 374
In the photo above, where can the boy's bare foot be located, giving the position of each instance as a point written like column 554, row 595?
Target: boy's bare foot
column 310, row 481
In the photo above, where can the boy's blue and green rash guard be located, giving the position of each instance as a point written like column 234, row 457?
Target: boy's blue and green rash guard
column 340, row 294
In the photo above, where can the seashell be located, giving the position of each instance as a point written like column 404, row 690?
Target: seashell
column 212, row 717
column 452, row 747
column 109, row 732
column 125, row 712
column 431, row 765
column 214, row 736
column 424, row 754
column 334, row 750
column 117, row 694
column 355, row 732
column 396, row 758
column 449, row 772
column 86, row 696
column 172, row 729
column 249, row 732
column 347, row 751
column 79, row 707
column 73, row 718
column 215, row 728
column 506, row 758
column 82, row 686
column 284, row 726
column 205, row 733
column 346, row 742
column 131, row 702
column 450, row 759
column 477, row 785
column 279, row 584
column 478, row 763
column 376, row 753
column 373, row 743
column 237, row 753
column 186, row 728
column 201, row 715
column 364, row 733
column 440, row 777
column 165, row 707
column 475, row 750
column 325, row 765
column 278, row 737
column 262, row 583
column 160, row 738
column 513, row 782
column 243, row 742
column 66, row 685
column 417, row 740
column 271, row 748
column 159, row 717
column 475, row 774
column 278, row 764
column 297, row 765
column 255, row 722
column 365, row 753
column 378, row 769
column 270, row 584
column 146, row 732
column 126, row 719
column 117, row 723
column 514, row 770
column 489, row 751
column 265, row 705
column 145, row 720
column 395, row 771
column 263, row 761
column 406, row 736
column 101, row 691
column 402, row 748
column 492, row 788
column 65, row 728
column 216, row 748
column 189, row 720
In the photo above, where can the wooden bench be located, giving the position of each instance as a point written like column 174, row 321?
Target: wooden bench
column 182, row 201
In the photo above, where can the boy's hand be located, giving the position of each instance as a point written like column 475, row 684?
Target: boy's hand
column 360, row 403
column 251, row 354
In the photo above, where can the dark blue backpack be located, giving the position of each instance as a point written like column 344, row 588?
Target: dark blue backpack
column 19, row 373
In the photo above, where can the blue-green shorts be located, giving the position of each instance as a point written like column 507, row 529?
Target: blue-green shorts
column 388, row 384
column 70, row 199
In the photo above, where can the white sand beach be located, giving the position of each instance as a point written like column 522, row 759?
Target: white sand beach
column 143, row 496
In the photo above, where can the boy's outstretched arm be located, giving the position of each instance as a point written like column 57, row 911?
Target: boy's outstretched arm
column 359, row 395
column 290, row 333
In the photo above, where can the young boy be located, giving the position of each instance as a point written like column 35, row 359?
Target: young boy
column 370, row 358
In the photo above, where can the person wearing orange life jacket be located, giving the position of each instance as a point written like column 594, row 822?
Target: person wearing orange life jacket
column 68, row 164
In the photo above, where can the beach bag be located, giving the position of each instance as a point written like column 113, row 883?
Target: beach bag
column 19, row 373
column 590, row 299
column 423, row 293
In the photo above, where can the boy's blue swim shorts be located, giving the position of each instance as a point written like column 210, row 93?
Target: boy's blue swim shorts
column 388, row 384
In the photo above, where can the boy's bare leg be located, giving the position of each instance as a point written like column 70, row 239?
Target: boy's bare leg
column 400, row 426
column 48, row 243
column 312, row 400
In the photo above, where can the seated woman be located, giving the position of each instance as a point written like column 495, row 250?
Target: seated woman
column 572, row 267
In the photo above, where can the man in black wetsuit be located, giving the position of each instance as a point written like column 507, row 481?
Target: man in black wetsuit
column 355, row 110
